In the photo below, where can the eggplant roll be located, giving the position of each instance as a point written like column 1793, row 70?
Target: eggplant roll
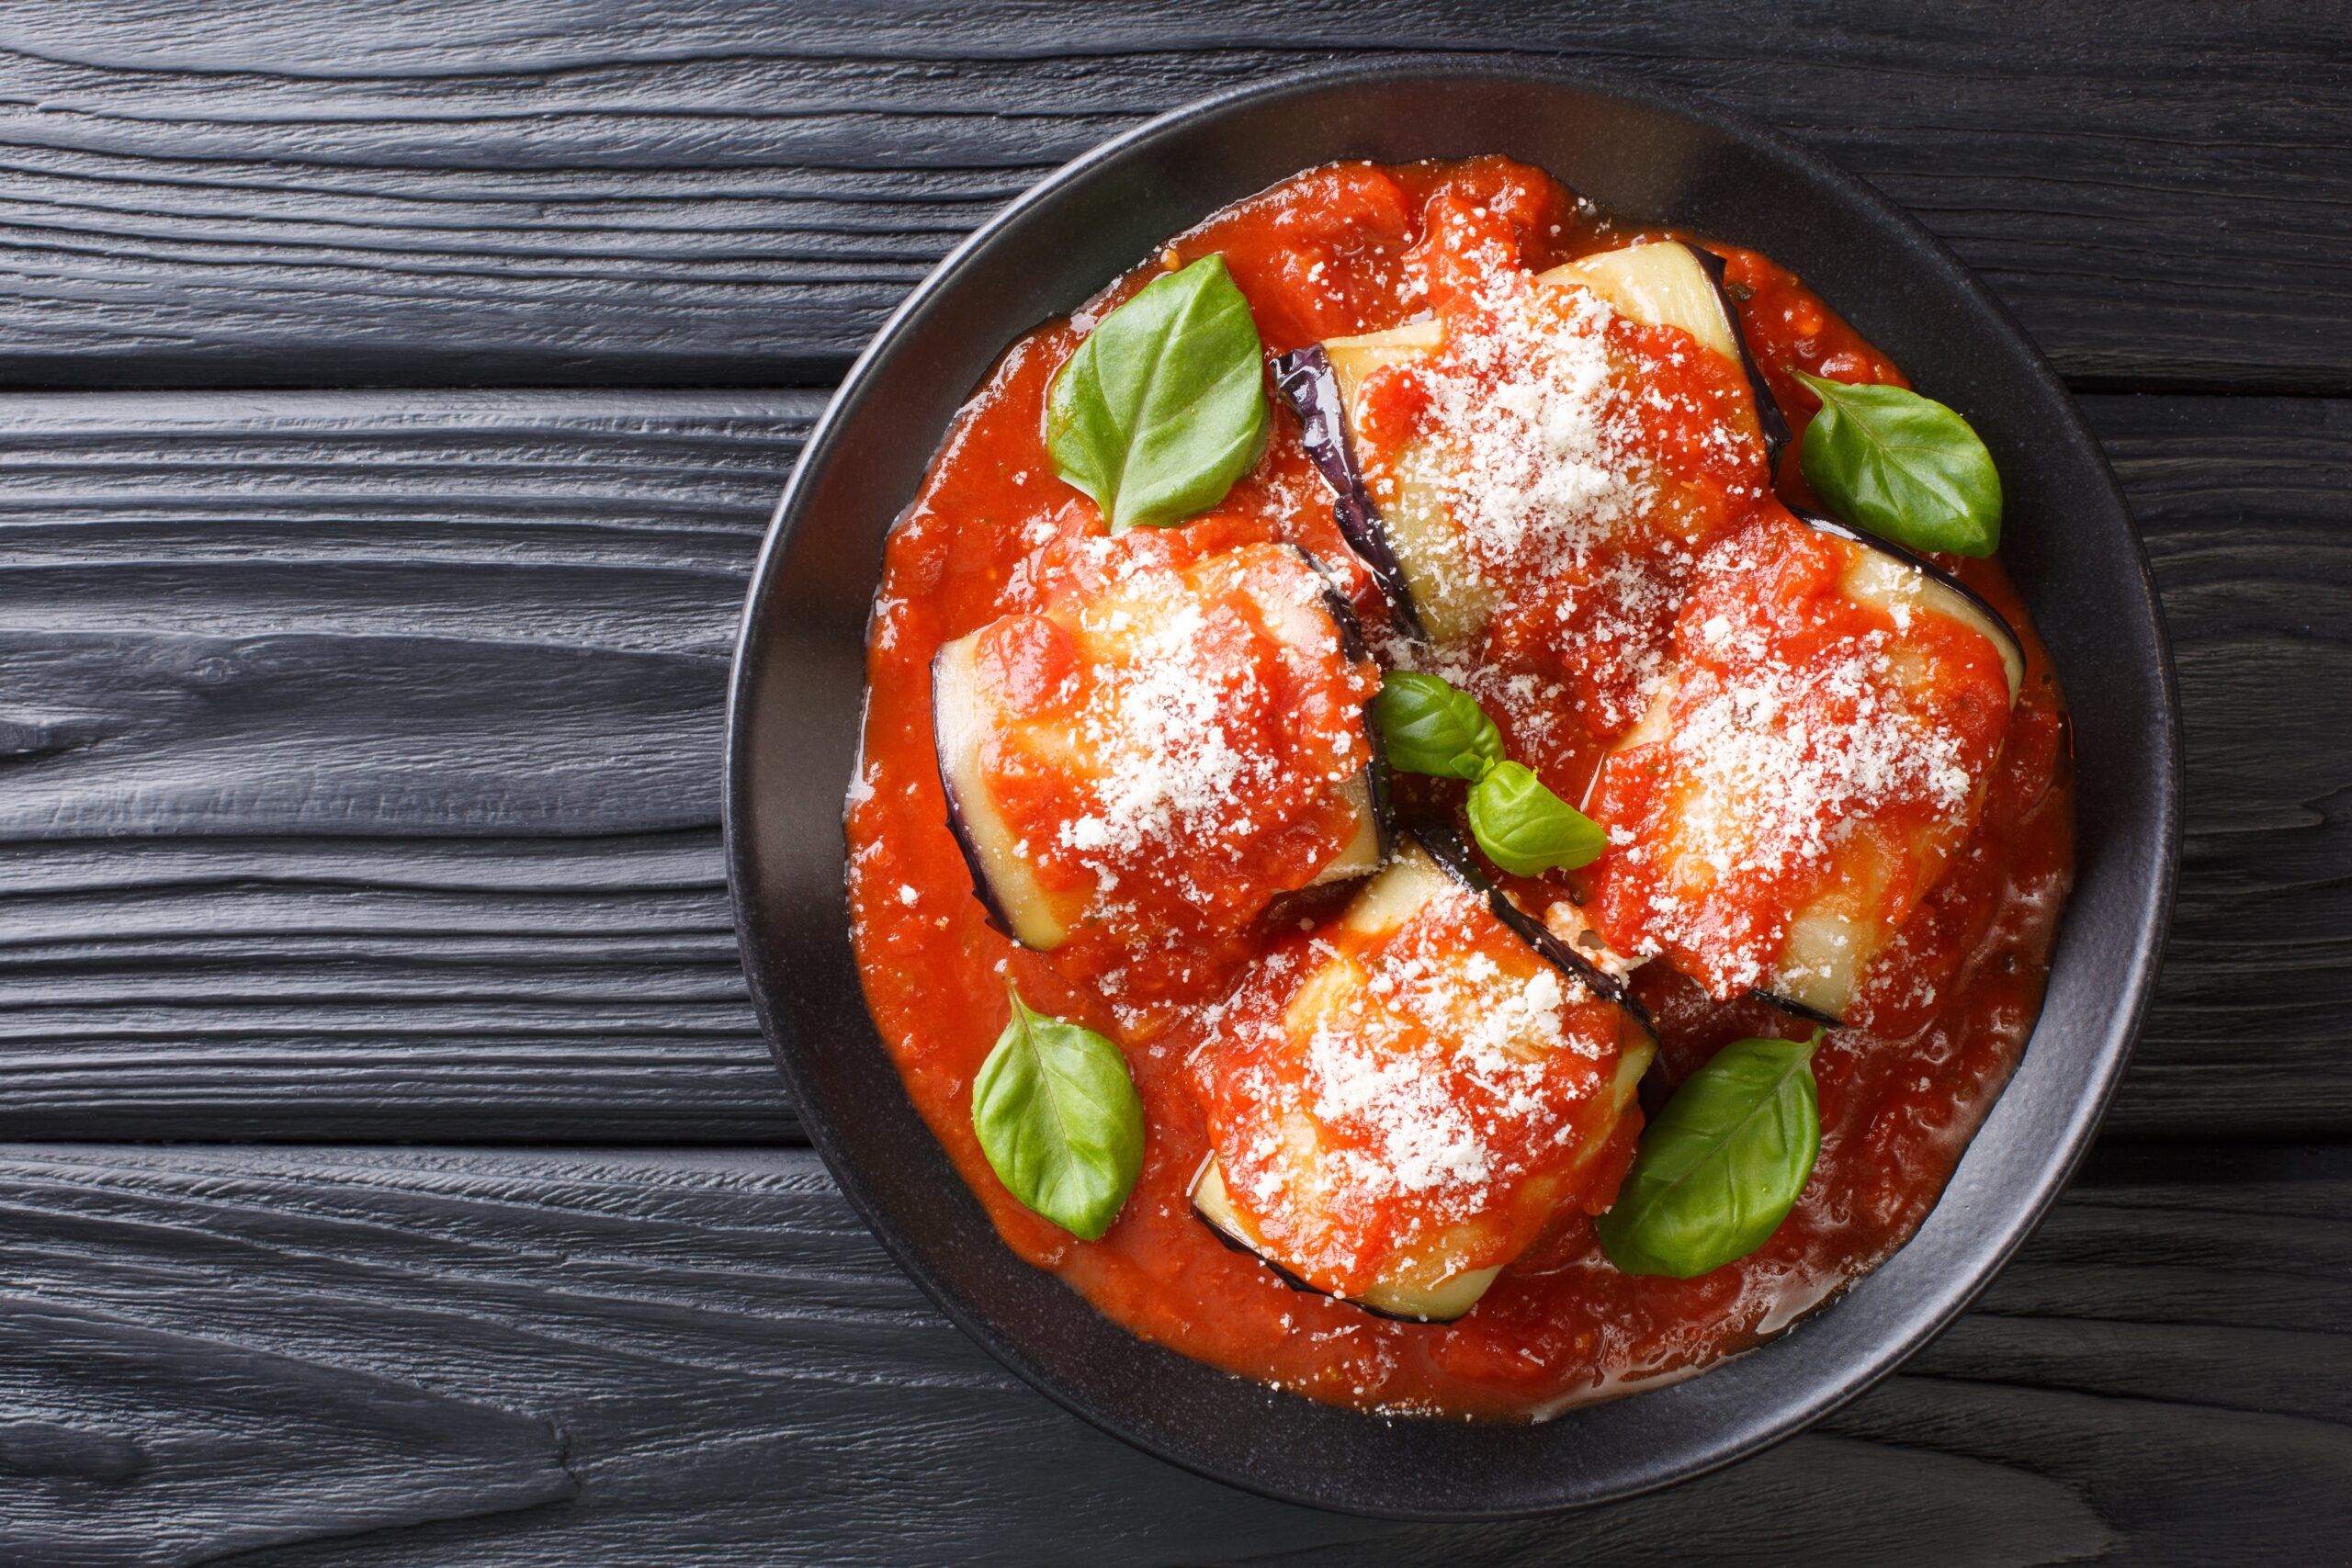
column 1802, row 777
column 1402, row 1100
column 1468, row 499
column 1165, row 740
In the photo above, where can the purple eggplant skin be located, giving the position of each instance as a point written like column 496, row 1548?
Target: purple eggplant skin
column 1869, row 541
column 1797, row 1010
column 1235, row 1243
column 1445, row 847
column 1384, row 808
column 1305, row 382
column 1770, row 419
column 997, row 920
column 1352, row 647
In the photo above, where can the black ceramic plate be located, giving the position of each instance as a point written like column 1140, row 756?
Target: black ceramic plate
column 799, row 689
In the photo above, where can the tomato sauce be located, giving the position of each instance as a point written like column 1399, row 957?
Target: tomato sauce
column 1939, row 1026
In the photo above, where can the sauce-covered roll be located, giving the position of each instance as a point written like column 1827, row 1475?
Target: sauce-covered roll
column 1401, row 1100
column 1800, row 780
column 1530, row 470
column 1164, row 745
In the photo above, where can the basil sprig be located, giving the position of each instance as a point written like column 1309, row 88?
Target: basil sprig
column 1059, row 1119
column 1429, row 726
column 1163, row 406
column 1902, row 466
column 1525, row 829
column 1720, row 1168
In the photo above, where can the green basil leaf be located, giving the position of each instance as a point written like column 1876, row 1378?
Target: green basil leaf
column 1720, row 1168
column 1059, row 1119
column 1902, row 466
column 1525, row 829
column 1430, row 726
column 1164, row 405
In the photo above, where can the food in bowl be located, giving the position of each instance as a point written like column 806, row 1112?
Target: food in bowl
column 1455, row 814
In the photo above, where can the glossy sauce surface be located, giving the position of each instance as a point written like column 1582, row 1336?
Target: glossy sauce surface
column 1942, row 1017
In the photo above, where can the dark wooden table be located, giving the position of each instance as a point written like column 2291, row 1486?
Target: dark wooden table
column 394, row 1173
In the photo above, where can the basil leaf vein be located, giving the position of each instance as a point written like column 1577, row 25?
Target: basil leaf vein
column 1902, row 466
column 1721, row 1165
column 1525, row 829
column 1163, row 406
column 1428, row 726
column 1059, row 1119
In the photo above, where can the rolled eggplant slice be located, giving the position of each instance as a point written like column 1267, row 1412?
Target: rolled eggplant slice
column 1401, row 1099
column 1801, row 780
column 1670, row 283
column 1526, row 474
column 1167, row 742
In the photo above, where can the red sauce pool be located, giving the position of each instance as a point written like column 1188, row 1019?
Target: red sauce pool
column 1943, row 1018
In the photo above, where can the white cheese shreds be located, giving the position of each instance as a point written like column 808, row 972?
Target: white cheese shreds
column 1537, row 457
column 1423, row 1073
column 1164, row 763
column 1780, row 749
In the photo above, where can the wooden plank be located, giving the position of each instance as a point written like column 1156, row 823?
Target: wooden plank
column 361, row 764
column 599, row 1356
column 2249, row 1028
column 254, row 908
column 286, row 193
column 519, row 601
column 200, row 1446
column 379, row 988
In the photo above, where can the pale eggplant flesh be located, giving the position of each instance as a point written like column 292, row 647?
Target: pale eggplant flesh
column 1428, row 859
column 1663, row 283
column 1003, row 878
column 1945, row 592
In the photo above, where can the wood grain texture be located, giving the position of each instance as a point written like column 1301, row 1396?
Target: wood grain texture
column 457, row 614
column 287, row 192
column 361, row 756
column 2242, row 502
column 551, row 1357
column 358, row 764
